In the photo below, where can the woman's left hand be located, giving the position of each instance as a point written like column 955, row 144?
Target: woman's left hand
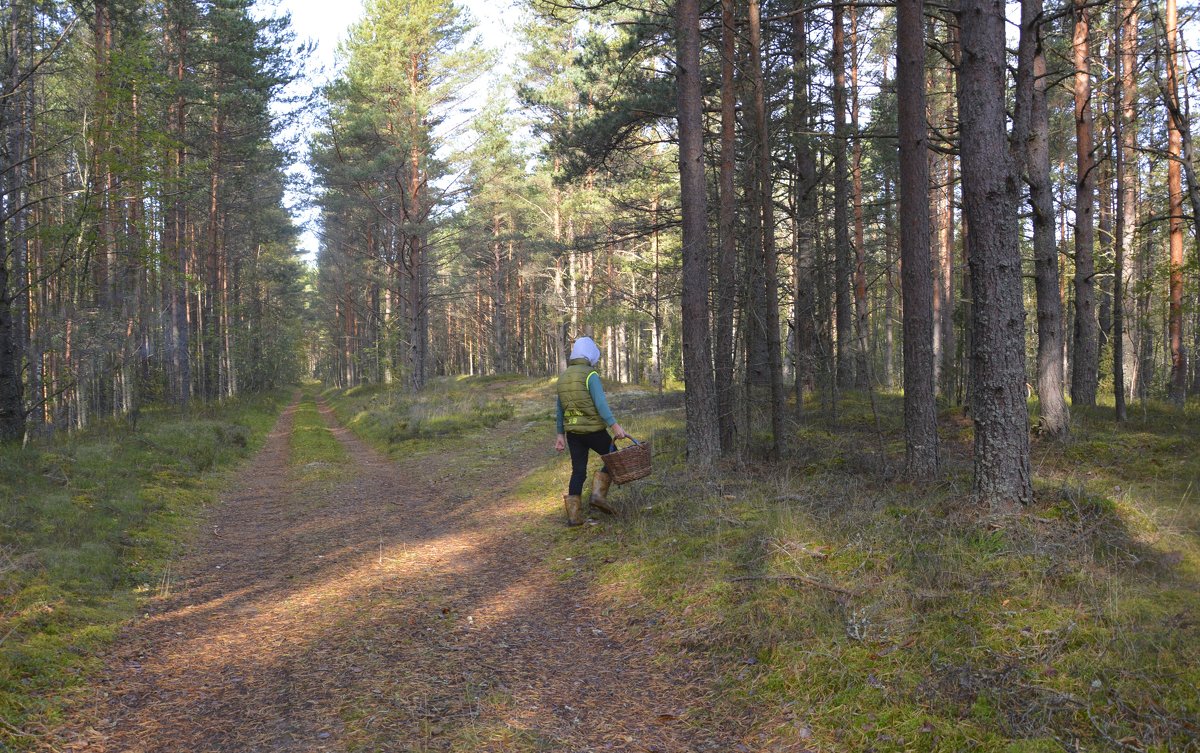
column 618, row 432
column 560, row 442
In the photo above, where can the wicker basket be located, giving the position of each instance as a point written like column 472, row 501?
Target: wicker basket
column 629, row 464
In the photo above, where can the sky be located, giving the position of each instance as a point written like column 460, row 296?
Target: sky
column 326, row 23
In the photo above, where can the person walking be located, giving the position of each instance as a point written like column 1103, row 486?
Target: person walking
column 584, row 419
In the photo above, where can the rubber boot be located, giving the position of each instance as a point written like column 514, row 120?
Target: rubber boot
column 574, row 509
column 600, row 485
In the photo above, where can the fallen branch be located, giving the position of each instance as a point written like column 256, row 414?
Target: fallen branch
column 799, row 579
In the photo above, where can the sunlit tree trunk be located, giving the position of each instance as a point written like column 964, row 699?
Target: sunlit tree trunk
column 1177, row 387
column 1031, row 145
column 703, row 441
column 1126, row 219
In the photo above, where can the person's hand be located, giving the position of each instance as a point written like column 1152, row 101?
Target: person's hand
column 618, row 432
column 560, row 442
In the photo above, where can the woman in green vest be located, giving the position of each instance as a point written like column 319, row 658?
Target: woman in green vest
column 583, row 422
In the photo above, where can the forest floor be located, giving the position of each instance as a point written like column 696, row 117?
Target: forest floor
column 391, row 572
column 342, row 600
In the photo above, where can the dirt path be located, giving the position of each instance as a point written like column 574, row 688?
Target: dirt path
column 408, row 606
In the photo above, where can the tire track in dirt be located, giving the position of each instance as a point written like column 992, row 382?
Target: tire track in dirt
column 405, row 606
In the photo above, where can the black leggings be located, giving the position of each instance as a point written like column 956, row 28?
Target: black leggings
column 579, row 444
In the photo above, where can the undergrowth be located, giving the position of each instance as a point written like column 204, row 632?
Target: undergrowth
column 90, row 523
column 853, row 611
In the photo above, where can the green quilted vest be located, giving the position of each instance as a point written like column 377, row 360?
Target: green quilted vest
column 579, row 411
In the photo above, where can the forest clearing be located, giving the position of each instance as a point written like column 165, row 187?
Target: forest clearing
column 306, row 344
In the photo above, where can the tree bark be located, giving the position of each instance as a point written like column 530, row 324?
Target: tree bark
column 12, row 412
column 703, row 441
column 843, row 254
column 727, row 257
column 891, row 262
column 501, row 364
column 806, row 209
column 1177, row 387
column 916, row 278
column 1031, row 145
column 947, row 376
column 1085, row 365
column 1002, row 471
column 1104, row 230
column 1126, row 220
column 754, row 301
column 861, row 347
column 176, row 230
column 965, row 359
column 12, row 408
column 769, row 258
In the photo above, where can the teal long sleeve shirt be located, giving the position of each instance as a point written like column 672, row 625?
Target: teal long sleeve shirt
column 596, row 390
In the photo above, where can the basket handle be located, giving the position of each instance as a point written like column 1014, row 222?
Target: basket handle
column 613, row 447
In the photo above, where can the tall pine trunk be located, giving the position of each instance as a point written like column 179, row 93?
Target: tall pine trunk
column 916, row 279
column 1031, row 142
column 501, row 363
column 806, row 210
column 769, row 257
column 754, row 276
column 843, row 254
column 727, row 255
column 1002, row 471
column 1177, row 386
column 1126, row 220
column 861, row 348
column 703, row 441
column 12, row 412
column 176, row 230
column 1085, row 366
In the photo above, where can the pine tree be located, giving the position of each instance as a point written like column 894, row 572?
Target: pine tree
column 1002, row 471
